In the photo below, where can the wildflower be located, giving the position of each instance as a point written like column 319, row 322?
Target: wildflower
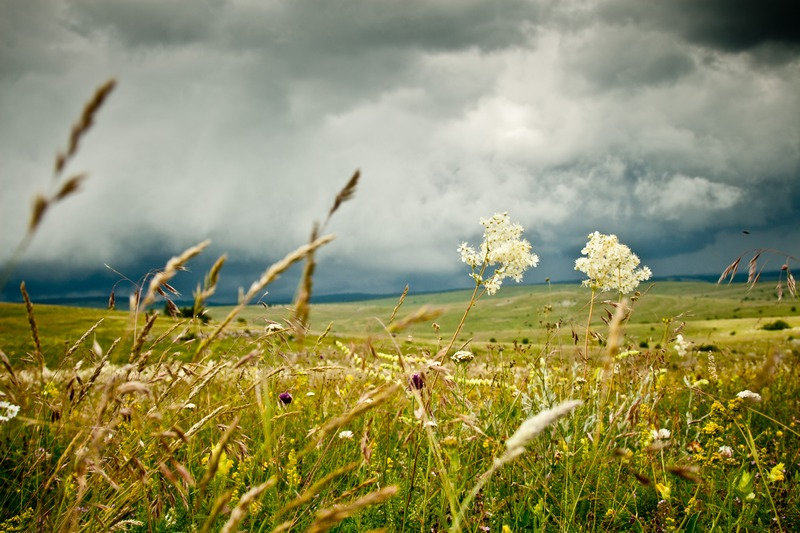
column 417, row 381
column 346, row 434
column 501, row 246
column 462, row 356
column 8, row 411
column 749, row 395
column 285, row 398
column 700, row 382
column 682, row 346
column 610, row 265
column 660, row 434
column 664, row 490
column 776, row 474
column 726, row 452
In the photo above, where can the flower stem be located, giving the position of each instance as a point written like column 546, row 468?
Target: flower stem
column 586, row 341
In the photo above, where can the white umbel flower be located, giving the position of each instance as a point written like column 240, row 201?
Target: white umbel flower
column 503, row 248
column 749, row 395
column 346, row 434
column 462, row 357
column 610, row 265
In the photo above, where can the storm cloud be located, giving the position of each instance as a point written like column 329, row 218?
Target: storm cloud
column 674, row 125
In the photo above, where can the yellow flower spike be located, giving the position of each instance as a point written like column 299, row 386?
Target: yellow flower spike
column 506, row 529
column 663, row 490
column 776, row 474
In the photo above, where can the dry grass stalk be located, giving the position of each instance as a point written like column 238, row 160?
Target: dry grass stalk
column 37, row 345
column 219, row 504
column 327, row 518
column 209, row 285
column 730, row 271
column 207, row 377
column 345, row 194
column 314, row 489
column 84, row 123
column 83, row 338
column 242, row 507
column 302, row 307
column 399, row 303
column 7, row 366
column 423, row 314
column 324, row 334
column 137, row 347
column 200, row 423
column 687, row 472
column 173, row 265
column 266, row 278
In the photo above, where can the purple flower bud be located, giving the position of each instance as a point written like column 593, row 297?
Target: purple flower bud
column 285, row 398
column 417, row 381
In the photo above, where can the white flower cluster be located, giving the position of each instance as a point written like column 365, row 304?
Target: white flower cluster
column 610, row 265
column 502, row 245
column 660, row 434
column 8, row 411
column 682, row 346
column 462, row 357
column 346, row 434
column 749, row 395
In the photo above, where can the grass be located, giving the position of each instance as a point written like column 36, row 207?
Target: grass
column 177, row 445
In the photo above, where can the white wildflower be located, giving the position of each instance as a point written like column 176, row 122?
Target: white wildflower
column 610, row 265
column 749, row 395
column 346, row 434
column 502, row 246
column 8, row 411
column 189, row 405
column 682, row 346
column 660, row 434
column 726, row 451
column 462, row 357
column 273, row 326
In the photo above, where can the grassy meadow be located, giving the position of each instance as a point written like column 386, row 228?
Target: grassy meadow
column 153, row 423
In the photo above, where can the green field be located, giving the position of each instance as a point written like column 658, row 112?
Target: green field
column 380, row 433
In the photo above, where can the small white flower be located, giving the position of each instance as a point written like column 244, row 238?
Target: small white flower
column 749, row 395
column 726, row 451
column 273, row 326
column 462, row 356
column 189, row 405
column 346, row 434
column 660, row 434
column 682, row 346
column 310, row 393
column 8, row 411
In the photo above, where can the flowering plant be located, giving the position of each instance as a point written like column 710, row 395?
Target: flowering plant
column 503, row 246
column 610, row 265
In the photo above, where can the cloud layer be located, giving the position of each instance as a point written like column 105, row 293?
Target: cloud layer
column 673, row 126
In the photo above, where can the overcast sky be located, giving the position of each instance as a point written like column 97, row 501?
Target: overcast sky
column 675, row 125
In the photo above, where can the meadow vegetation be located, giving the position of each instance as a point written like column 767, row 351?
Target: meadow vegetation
column 613, row 406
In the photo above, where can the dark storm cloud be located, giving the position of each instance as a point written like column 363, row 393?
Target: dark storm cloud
column 727, row 25
column 240, row 120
